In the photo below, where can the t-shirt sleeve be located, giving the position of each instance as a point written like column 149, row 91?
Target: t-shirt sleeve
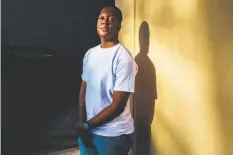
column 84, row 69
column 126, row 71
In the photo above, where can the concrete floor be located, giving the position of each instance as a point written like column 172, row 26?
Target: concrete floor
column 66, row 152
column 74, row 151
column 63, row 131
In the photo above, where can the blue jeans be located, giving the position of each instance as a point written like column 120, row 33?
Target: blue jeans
column 101, row 145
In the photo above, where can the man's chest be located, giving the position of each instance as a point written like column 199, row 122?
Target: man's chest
column 100, row 67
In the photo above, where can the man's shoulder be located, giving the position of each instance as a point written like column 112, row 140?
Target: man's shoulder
column 124, row 53
column 91, row 50
column 94, row 48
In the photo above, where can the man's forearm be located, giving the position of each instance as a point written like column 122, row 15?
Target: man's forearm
column 81, row 104
column 105, row 116
column 111, row 111
column 82, row 113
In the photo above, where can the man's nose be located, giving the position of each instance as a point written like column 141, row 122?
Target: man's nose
column 105, row 21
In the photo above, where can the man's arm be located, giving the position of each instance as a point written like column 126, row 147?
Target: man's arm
column 120, row 99
column 82, row 93
column 81, row 104
column 82, row 117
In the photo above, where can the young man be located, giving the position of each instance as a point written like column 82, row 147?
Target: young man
column 105, row 124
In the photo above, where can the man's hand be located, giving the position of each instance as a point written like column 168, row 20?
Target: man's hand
column 79, row 128
column 84, row 135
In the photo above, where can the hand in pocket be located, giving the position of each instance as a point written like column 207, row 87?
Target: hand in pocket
column 87, row 139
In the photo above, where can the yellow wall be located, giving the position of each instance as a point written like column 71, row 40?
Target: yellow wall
column 191, row 53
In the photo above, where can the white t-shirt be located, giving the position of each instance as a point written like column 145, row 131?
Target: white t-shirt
column 106, row 70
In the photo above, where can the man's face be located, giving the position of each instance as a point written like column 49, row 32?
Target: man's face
column 107, row 24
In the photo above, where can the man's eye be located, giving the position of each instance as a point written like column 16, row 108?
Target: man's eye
column 109, row 19
column 101, row 18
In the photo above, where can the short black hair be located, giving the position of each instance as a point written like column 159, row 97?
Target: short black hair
column 117, row 12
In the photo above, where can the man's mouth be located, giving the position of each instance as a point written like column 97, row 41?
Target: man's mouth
column 105, row 29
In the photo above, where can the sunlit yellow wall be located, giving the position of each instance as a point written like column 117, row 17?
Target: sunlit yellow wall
column 191, row 47
column 127, row 34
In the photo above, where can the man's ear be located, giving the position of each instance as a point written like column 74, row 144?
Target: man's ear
column 119, row 27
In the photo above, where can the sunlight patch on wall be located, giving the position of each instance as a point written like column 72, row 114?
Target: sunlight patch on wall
column 184, row 97
column 185, row 8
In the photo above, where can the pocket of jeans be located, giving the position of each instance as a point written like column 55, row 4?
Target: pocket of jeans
column 127, row 140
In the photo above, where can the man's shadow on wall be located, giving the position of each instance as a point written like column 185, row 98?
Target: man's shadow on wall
column 145, row 94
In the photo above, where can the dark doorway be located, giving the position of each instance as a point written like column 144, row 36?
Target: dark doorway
column 42, row 47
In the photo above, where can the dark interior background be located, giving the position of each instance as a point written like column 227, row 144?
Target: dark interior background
column 42, row 46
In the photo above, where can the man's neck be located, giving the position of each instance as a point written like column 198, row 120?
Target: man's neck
column 108, row 44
